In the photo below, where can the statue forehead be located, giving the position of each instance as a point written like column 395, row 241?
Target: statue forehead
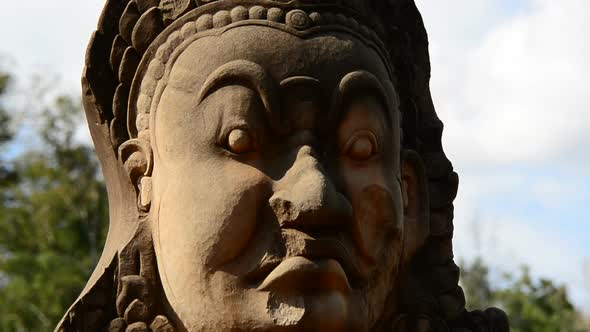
column 326, row 57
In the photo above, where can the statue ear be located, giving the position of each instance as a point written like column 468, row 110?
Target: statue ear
column 415, row 202
column 136, row 156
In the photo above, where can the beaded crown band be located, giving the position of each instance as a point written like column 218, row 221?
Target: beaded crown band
column 130, row 53
column 219, row 17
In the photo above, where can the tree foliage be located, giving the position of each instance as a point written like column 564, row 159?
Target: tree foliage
column 532, row 305
column 5, row 130
column 52, row 219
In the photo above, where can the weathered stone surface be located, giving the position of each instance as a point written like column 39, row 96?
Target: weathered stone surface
column 137, row 327
column 137, row 311
column 117, row 325
column 161, row 324
column 271, row 165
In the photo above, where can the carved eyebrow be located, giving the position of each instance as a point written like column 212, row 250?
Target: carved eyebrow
column 245, row 73
column 361, row 80
column 300, row 80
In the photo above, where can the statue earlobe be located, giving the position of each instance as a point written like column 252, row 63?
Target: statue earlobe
column 415, row 202
column 137, row 159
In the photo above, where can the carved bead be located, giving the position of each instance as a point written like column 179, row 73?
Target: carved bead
column 354, row 24
column 174, row 40
column 297, row 19
column 239, row 13
column 340, row 19
column 161, row 324
column 156, row 69
column 148, row 86
column 315, row 17
column 144, row 103
column 144, row 135
column 188, row 30
column 257, row 13
column 275, row 15
column 137, row 327
column 205, row 22
column 137, row 310
column 221, row 19
column 365, row 31
column 163, row 53
column 117, row 325
column 142, row 121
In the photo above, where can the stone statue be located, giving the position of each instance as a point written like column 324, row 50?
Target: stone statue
column 272, row 165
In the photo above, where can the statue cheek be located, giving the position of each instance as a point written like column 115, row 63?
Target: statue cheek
column 376, row 222
column 208, row 216
column 235, row 222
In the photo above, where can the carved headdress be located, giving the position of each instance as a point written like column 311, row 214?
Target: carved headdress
column 127, row 65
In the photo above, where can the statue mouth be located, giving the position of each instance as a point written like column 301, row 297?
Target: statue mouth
column 315, row 265
column 302, row 273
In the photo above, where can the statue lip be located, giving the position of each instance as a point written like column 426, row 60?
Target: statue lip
column 318, row 263
column 302, row 273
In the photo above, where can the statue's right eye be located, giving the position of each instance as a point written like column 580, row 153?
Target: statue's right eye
column 361, row 146
column 239, row 141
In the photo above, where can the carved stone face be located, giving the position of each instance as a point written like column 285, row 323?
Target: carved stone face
column 277, row 199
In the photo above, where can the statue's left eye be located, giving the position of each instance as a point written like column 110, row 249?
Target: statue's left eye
column 361, row 146
column 239, row 141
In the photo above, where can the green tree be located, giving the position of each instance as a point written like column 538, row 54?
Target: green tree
column 538, row 305
column 6, row 133
column 52, row 223
column 476, row 285
column 532, row 305
column 5, row 130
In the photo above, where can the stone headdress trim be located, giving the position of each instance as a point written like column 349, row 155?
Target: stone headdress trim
column 212, row 20
column 136, row 37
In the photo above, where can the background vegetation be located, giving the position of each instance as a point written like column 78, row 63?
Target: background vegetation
column 53, row 212
column 53, row 215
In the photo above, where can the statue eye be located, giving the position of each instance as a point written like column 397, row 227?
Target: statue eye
column 239, row 141
column 361, row 146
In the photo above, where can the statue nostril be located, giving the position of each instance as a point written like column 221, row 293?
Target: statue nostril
column 285, row 211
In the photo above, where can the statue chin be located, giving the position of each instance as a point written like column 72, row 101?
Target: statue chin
column 271, row 166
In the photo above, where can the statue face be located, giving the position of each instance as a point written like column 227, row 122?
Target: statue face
column 277, row 203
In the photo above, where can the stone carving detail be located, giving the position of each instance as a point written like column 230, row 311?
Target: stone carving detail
column 271, row 166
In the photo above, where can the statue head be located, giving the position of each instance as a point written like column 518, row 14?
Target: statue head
column 271, row 166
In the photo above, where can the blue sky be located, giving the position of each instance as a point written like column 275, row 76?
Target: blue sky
column 509, row 80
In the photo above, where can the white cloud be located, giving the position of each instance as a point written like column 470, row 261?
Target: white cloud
column 48, row 37
column 516, row 91
column 509, row 80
